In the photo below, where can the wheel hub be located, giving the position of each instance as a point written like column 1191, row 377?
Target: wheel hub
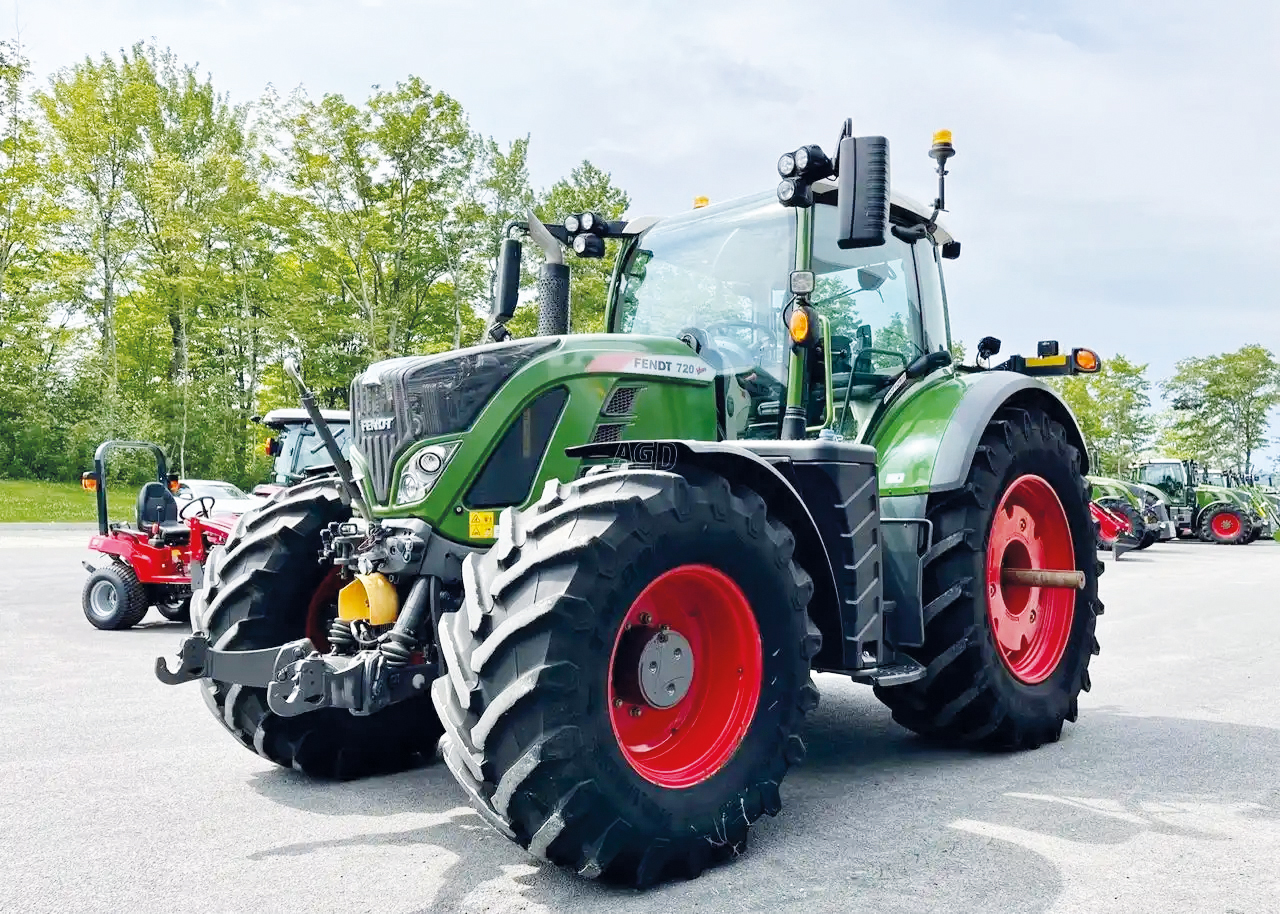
column 660, row 671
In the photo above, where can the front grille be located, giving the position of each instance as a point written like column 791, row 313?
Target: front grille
column 399, row 401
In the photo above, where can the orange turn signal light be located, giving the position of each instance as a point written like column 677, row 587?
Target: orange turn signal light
column 798, row 325
column 1086, row 360
column 88, row 482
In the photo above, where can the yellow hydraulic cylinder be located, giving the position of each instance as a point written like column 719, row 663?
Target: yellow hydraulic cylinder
column 370, row 598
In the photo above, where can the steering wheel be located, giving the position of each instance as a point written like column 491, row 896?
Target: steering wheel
column 204, row 508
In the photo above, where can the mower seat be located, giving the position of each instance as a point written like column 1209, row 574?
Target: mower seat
column 156, row 505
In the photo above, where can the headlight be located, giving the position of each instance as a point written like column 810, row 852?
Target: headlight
column 802, row 158
column 422, row 471
column 571, row 224
column 787, row 165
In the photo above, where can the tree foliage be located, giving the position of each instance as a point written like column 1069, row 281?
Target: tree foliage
column 1113, row 409
column 1221, row 406
column 161, row 251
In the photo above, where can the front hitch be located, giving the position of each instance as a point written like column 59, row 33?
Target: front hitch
column 299, row 679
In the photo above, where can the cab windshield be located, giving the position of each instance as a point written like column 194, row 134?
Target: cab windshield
column 719, row 275
column 1170, row 478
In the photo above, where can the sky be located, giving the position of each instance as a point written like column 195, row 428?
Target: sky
column 1116, row 175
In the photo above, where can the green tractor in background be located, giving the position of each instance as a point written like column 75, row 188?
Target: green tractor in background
column 1199, row 505
column 1263, row 507
column 605, row 566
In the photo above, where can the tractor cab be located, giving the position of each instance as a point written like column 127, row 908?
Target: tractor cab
column 296, row 448
column 719, row 278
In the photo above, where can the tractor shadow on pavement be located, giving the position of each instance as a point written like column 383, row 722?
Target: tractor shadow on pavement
column 879, row 819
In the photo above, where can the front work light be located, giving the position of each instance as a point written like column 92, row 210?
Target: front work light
column 812, row 163
column 588, row 245
column 787, row 165
column 571, row 224
column 795, row 192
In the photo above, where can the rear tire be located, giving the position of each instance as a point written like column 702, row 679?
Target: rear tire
column 1225, row 525
column 113, row 598
column 971, row 693
column 536, row 730
column 257, row 594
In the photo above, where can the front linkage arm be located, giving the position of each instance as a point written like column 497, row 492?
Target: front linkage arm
column 299, row 679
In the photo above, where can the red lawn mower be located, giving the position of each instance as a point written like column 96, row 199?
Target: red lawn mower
column 155, row 563
column 1114, row 530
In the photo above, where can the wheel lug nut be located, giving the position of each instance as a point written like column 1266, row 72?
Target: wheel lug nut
column 1022, row 523
column 664, row 627
column 635, row 711
column 645, row 618
column 992, row 589
column 653, row 666
column 617, row 702
column 1032, row 617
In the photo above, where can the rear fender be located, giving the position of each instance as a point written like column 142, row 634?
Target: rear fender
column 926, row 443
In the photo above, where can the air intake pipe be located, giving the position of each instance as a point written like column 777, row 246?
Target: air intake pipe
column 553, row 282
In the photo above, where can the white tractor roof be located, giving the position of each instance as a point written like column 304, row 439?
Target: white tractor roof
column 278, row 418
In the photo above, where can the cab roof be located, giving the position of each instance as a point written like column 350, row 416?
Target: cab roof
column 278, row 418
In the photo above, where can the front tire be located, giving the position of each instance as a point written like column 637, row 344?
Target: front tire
column 263, row 589
column 113, row 598
column 1225, row 525
column 1005, row 663
column 551, row 726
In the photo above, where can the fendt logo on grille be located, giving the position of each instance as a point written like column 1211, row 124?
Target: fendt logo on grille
column 381, row 424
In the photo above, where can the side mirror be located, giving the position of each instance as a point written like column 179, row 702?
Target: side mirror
column 506, row 291
column 862, row 192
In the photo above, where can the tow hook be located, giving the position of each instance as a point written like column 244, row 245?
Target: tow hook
column 298, row 678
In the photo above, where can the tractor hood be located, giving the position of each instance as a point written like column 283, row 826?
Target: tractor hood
column 402, row 400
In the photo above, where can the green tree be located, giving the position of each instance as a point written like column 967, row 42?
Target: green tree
column 1113, row 409
column 1222, row 404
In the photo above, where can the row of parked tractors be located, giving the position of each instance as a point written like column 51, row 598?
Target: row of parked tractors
column 1167, row 499
column 594, row 573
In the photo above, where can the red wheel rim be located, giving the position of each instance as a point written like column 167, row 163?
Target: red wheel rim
column 320, row 608
column 683, row 745
column 1030, row 625
column 1225, row 525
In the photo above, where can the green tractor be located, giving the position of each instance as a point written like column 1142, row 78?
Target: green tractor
column 1200, row 504
column 1263, row 507
column 605, row 566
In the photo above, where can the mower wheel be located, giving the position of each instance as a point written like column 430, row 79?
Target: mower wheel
column 628, row 675
column 1225, row 525
column 260, row 590
column 114, row 598
column 1005, row 663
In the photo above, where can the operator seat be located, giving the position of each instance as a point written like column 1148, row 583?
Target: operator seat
column 156, row 505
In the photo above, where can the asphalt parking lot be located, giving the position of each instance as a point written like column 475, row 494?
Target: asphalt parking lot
column 120, row 794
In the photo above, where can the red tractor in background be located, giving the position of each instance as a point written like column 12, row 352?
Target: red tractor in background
column 158, row 561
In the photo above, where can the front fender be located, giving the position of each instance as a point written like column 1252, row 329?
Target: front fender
column 926, row 440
